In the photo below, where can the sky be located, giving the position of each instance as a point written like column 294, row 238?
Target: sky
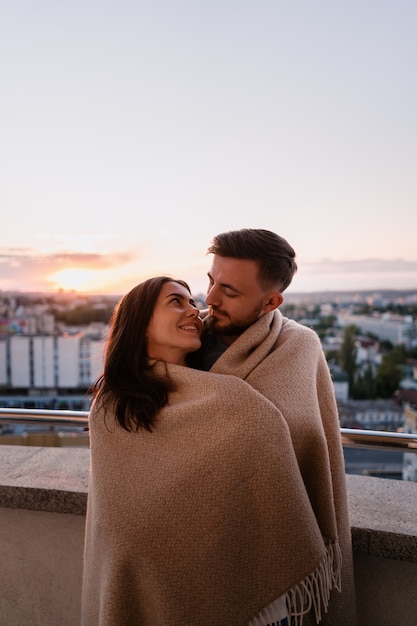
column 132, row 132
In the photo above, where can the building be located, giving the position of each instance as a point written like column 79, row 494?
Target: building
column 408, row 399
column 50, row 362
column 394, row 328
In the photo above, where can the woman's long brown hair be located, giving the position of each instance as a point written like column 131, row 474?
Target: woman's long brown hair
column 127, row 381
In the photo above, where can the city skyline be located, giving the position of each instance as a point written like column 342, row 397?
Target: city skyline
column 134, row 133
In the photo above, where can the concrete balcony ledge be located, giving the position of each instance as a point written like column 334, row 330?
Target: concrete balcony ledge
column 44, row 479
column 382, row 511
column 43, row 498
column 383, row 517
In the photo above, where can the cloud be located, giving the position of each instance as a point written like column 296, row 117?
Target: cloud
column 90, row 260
column 359, row 274
column 17, row 257
column 23, row 270
column 360, row 266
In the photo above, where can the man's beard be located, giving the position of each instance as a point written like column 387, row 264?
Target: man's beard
column 235, row 328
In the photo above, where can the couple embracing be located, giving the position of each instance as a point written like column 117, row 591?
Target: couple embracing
column 217, row 489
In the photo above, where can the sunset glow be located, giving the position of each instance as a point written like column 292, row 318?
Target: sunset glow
column 74, row 279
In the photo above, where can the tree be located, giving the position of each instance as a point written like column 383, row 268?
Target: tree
column 347, row 354
column 332, row 356
column 364, row 386
column 388, row 374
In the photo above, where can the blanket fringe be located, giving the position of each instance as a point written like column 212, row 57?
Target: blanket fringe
column 314, row 591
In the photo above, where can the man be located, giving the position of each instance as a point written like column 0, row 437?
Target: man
column 246, row 335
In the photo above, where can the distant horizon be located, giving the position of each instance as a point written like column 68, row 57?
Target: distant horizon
column 288, row 292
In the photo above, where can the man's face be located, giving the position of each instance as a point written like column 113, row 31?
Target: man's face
column 235, row 297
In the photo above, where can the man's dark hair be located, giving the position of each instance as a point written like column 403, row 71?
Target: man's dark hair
column 274, row 255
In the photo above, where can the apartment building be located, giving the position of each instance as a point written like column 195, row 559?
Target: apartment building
column 61, row 362
column 387, row 327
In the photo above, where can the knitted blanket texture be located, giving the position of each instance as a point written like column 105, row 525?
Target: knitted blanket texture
column 285, row 362
column 205, row 520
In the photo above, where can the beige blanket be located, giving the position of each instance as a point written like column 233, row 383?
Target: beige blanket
column 204, row 521
column 285, row 362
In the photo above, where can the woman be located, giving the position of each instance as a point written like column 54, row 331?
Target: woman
column 197, row 513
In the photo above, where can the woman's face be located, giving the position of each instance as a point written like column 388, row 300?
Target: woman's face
column 175, row 328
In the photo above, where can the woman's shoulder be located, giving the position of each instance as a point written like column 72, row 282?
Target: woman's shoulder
column 102, row 405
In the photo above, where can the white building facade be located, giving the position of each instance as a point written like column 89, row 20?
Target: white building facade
column 50, row 362
column 393, row 328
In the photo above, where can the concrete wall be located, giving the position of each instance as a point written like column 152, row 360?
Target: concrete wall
column 41, row 575
column 40, row 568
column 385, row 591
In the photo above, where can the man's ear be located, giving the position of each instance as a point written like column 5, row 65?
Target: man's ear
column 273, row 300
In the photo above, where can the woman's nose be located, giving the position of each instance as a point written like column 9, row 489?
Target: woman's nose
column 193, row 311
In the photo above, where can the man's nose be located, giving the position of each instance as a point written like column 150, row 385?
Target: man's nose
column 212, row 297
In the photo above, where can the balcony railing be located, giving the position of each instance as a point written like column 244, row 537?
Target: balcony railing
column 377, row 439
column 351, row 437
column 45, row 417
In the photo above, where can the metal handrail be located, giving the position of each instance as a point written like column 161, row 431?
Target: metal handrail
column 377, row 439
column 351, row 437
column 49, row 417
